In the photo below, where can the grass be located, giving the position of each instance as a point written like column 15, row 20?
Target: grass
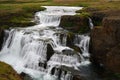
column 7, row 73
column 15, row 13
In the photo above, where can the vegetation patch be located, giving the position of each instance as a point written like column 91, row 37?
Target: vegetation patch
column 7, row 73
column 22, row 11
column 19, row 18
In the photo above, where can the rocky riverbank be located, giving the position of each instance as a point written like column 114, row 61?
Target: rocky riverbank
column 105, row 40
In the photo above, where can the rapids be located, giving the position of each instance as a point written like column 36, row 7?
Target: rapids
column 25, row 49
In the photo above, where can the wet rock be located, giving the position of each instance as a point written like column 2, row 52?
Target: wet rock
column 64, row 69
column 68, row 52
column 7, row 73
column 77, row 77
column 50, row 51
column 104, row 46
column 1, row 37
column 25, row 76
column 70, row 39
column 76, row 48
column 53, row 71
column 75, row 73
column 70, row 42
column 44, row 65
column 70, row 69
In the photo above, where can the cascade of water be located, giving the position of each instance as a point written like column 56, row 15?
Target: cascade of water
column 68, row 76
column 52, row 15
column 33, row 53
column 26, row 48
column 82, row 41
column 62, row 75
column 47, row 20
column 91, row 23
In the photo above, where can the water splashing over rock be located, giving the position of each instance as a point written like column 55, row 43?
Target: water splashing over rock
column 40, row 51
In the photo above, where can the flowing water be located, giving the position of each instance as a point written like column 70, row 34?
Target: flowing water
column 27, row 51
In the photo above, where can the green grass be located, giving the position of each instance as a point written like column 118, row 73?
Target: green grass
column 21, row 1
column 7, row 73
column 15, row 13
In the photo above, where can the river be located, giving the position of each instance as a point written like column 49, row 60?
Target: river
column 27, row 51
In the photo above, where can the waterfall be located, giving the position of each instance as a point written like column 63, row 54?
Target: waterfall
column 52, row 15
column 25, row 49
column 82, row 41
column 91, row 23
column 47, row 19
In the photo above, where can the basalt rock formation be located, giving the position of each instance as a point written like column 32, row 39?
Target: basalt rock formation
column 105, row 44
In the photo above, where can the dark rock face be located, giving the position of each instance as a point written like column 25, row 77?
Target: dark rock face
column 97, row 15
column 70, row 39
column 105, row 43
column 50, row 51
column 25, row 76
column 75, row 23
column 77, row 77
column 1, row 37
column 70, row 42
column 113, row 59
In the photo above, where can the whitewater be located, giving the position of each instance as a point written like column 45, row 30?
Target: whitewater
column 26, row 49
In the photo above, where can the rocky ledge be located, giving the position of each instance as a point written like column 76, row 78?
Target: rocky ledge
column 76, row 24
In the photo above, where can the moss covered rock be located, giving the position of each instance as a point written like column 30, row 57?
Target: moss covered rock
column 77, row 24
column 7, row 73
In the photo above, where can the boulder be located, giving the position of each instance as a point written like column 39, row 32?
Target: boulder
column 26, row 76
column 75, row 23
column 50, row 51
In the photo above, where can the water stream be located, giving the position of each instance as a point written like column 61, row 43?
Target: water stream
column 27, row 50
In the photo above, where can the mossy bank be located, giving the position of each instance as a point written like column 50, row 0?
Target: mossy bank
column 22, row 18
column 7, row 72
